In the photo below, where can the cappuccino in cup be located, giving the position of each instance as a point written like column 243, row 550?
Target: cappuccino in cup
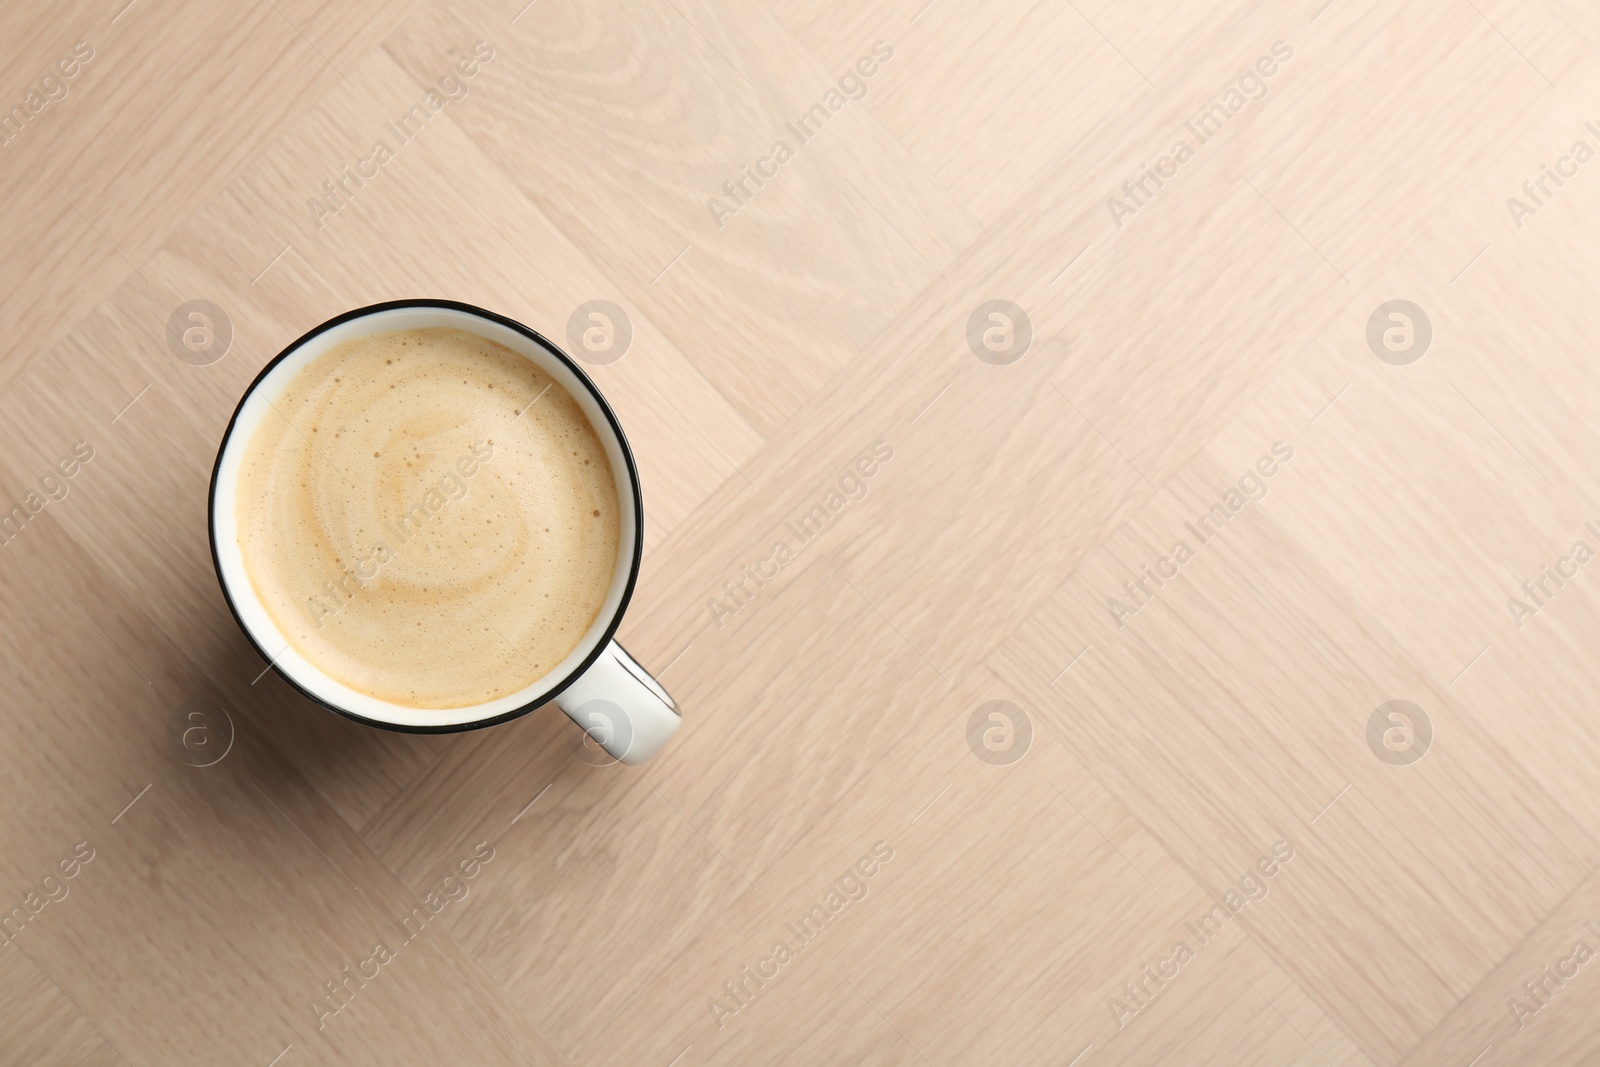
column 428, row 517
column 425, row 517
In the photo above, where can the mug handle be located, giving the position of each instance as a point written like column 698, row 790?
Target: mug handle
column 617, row 703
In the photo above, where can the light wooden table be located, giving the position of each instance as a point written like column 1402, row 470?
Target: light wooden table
column 1195, row 508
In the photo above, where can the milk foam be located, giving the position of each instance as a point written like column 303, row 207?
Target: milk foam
column 428, row 518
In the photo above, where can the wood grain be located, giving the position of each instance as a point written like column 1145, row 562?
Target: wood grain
column 1184, row 840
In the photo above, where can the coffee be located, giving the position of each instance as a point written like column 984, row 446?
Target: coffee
column 429, row 518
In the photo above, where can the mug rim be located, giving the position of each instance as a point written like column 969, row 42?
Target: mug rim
column 537, row 338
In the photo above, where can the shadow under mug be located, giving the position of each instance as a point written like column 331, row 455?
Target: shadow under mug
column 598, row 685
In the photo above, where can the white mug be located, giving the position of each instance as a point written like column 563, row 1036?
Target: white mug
column 599, row 685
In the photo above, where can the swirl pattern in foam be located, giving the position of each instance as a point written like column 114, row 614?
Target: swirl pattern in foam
column 420, row 527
